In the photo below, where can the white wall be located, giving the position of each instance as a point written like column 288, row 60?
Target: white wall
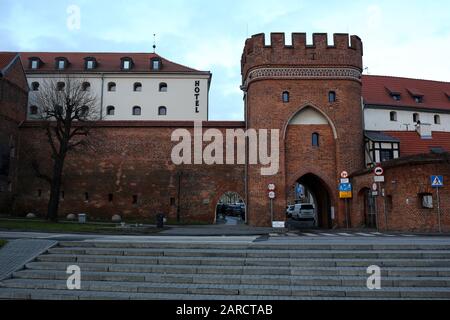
column 179, row 99
column 379, row 120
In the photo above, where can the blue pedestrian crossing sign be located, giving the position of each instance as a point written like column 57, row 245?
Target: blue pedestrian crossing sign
column 437, row 181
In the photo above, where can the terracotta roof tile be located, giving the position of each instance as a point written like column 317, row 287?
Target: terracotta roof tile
column 106, row 62
column 377, row 90
column 411, row 143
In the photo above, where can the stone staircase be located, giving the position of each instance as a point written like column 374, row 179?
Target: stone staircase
column 233, row 271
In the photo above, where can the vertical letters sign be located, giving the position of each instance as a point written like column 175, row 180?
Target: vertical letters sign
column 197, row 95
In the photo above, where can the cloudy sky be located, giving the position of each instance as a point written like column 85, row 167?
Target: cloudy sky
column 401, row 38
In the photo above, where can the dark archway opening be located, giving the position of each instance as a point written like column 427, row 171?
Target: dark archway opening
column 311, row 192
column 230, row 209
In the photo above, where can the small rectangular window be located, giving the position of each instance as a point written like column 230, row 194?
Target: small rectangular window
column 126, row 64
column 34, row 64
column 172, row 201
column 86, row 196
column 426, row 200
column 61, row 64
column 155, row 64
column 110, row 197
column 90, row 64
column 135, row 199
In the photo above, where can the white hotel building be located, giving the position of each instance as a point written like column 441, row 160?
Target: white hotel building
column 128, row 86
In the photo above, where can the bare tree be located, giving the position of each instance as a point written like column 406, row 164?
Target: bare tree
column 67, row 111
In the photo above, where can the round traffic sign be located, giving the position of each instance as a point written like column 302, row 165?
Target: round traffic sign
column 378, row 171
column 271, row 187
column 271, row 195
column 344, row 174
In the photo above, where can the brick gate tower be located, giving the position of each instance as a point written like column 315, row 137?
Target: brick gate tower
column 312, row 95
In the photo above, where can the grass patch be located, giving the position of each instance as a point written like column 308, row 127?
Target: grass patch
column 2, row 242
column 47, row 226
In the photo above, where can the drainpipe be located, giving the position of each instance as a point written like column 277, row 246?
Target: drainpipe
column 101, row 97
column 246, row 154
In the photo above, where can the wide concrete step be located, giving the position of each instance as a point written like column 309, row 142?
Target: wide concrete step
column 300, row 280
column 238, row 270
column 233, row 290
column 48, row 294
column 314, row 245
column 233, row 261
column 250, row 253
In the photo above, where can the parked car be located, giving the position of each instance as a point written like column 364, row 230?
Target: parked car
column 304, row 212
column 290, row 210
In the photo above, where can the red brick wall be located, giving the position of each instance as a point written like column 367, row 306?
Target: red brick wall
column 126, row 161
column 404, row 183
column 13, row 103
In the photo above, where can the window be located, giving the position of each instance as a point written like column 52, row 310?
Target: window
column 416, row 117
column 393, row 116
column 162, row 111
column 112, row 86
column 426, row 200
column 418, row 99
column 110, row 110
column 127, row 63
column 90, row 63
column 137, row 86
column 61, row 64
column 34, row 64
column 386, row 154
column 39, row 193
column 172, row 201
column 135, row 199
column 84, row 111
column 62, row 195
column 35, row 86
column 285, row 97
column 331, row 96
column 163, row 87
column 60, row 86
column 437, row 119
column 110, row 197
column 33, row 110
column 315, row 139
column 136, row 111
column 155, row 64
column 396, row 97
column 86, row 196
column 86, row 86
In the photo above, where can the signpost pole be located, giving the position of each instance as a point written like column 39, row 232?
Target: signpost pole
column 439, row 210
column 271, row 211
column 346, row 213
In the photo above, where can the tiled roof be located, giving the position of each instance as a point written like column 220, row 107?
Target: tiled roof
column 411, row 143
column 377, row 90
column 5, row 59
column 106, row 62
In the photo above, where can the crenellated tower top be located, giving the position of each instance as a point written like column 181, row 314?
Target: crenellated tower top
column 346, row 52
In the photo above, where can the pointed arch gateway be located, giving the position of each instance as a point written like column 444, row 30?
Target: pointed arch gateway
column 310, row 163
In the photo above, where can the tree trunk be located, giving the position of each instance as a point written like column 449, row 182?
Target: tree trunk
column 55, row 189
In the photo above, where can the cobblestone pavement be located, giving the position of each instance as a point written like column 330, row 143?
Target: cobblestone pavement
column 16, row 253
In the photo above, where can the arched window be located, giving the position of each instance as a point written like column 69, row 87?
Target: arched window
column 437, row 119
column 35, row 86
column 84, row 111
column 393, row 116
column 60, row 86
column 33, row 110
column 163, row 87
column 332, row 96
column 416, row 117
column 110, row 110
column 315, row 139
column 86, row 86
column 112, row 86
column 137, row 86
column 136, row 111
column 162, row 111
column 285, row 96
